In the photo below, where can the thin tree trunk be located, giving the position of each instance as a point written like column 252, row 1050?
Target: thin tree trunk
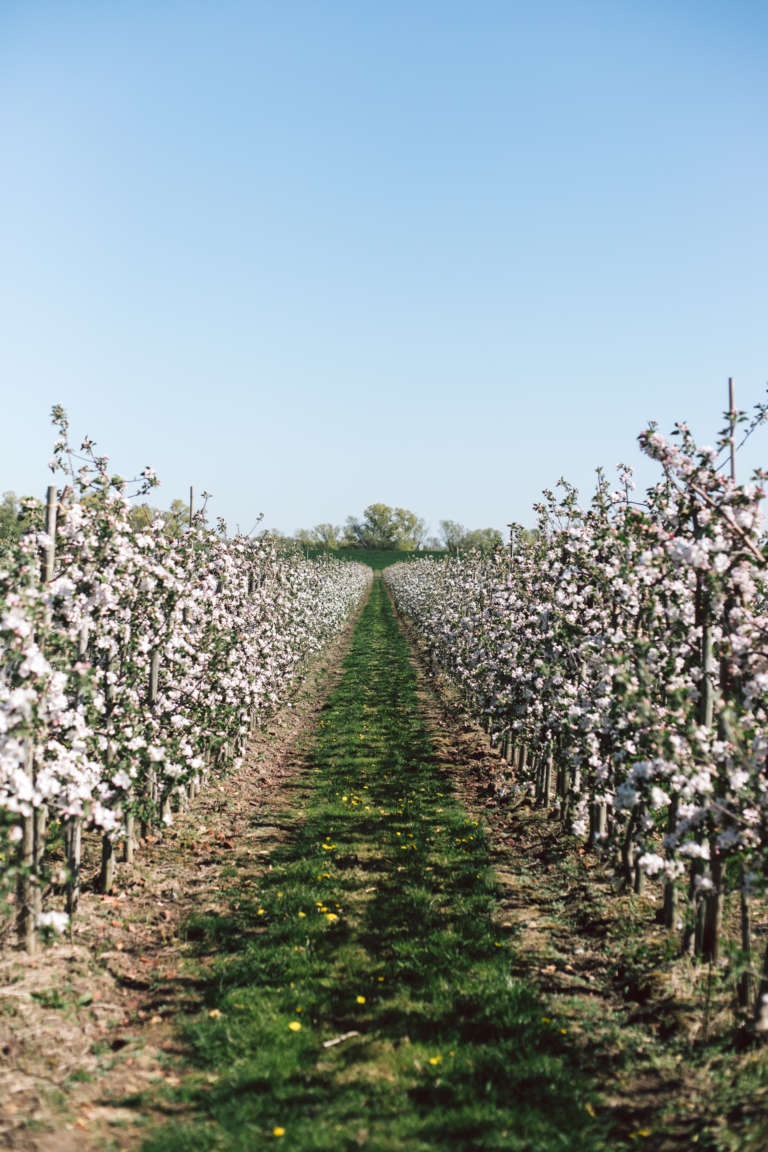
column 670, row 887
column 626, row 853
column 40, row 827
column 747, row 981
column 545, row 777
column 761, row 1002
column 129, row 844
column 25, row 921
column 74, row 856
column 713, row 910
column 107, row 877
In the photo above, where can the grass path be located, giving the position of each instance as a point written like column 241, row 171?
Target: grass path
column 361, row 996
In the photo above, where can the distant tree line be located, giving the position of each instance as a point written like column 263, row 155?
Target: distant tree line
column 17, row 515
column 396, row 529
column 175, row 519
column 457, row 538
column 10, row 518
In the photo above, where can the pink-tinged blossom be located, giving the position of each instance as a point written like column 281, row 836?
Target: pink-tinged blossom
column 587, row 640
column 233, row 622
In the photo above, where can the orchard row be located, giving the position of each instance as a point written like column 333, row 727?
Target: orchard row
column 133, row 662
column 620, row 654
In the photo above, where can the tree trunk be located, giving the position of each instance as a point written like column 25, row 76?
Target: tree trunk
column 107, row 877
column 761, row 1002
column 713, row 911
column 129, row 844
column 25, row 920
column 670, row 886
column 74, row 855
column 747, row 981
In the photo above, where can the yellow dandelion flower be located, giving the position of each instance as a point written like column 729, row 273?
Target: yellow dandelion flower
column 331, row 917
column 278, row 1131
column 435, row 1059
column 214, row 1014
column 361, row 999
column 295, row 1026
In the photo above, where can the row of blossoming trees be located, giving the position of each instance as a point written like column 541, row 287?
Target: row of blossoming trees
column 620, row 654
column 132, row 663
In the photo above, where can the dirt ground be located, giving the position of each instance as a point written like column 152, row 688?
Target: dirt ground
column 88, row 1025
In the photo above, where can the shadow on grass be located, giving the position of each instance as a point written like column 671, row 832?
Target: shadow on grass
column 363, row 997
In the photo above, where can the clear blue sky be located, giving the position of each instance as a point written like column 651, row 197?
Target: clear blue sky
column 313, row 255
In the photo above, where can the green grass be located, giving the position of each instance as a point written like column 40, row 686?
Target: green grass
column 375, row 919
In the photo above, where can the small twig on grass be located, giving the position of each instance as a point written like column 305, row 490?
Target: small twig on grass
column 338, row 1039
